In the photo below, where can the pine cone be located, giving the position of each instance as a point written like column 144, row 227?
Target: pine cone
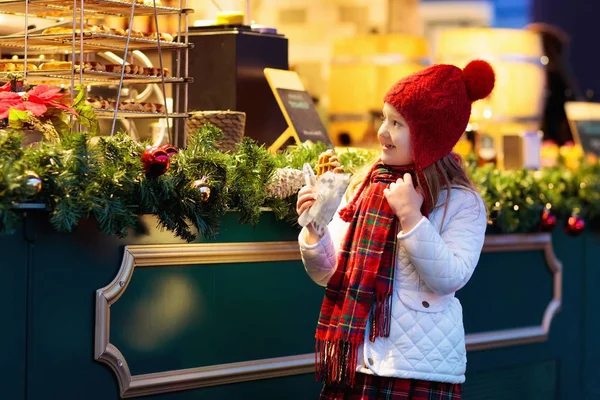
column 285, row 183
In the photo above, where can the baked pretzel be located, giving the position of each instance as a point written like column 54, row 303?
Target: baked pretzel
column 328, row 161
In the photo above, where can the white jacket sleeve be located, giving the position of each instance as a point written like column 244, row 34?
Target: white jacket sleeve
column 446, row 262
column 320, row 259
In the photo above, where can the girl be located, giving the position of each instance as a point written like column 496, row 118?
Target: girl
column 390, row 326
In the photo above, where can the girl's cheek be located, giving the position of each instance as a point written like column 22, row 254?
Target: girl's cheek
column 403, row 139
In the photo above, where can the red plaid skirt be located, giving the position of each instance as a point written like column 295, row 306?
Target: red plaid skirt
column 371, row 387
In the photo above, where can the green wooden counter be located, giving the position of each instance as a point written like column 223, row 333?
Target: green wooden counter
column 87, row 316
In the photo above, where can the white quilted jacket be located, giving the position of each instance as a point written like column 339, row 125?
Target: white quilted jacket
column 427, row 339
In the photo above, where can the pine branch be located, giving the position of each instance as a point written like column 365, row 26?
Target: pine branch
column 172, row 196
column 249, row 172
column 297, row 156
column 10, row 145
column 13, row 180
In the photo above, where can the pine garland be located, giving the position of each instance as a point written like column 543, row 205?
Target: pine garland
column 103, row 178
column 512, row 197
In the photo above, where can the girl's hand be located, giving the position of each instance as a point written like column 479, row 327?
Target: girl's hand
column 306, row 198
column 405, row 201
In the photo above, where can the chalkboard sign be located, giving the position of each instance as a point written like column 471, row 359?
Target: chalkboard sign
column 298, row 109
column 584, row 120
column 303, row 115
column 589, row 136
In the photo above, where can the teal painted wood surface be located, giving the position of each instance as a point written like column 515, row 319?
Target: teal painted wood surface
column 564, row 345
column 591, row 317
column 193, row 316
column 502, row 284
column 14, row 253
column 531, row 381
column 190, row 316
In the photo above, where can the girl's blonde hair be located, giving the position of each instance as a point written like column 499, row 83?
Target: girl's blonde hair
column 442, row 175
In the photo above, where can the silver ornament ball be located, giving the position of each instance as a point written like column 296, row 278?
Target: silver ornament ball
column 33, row 183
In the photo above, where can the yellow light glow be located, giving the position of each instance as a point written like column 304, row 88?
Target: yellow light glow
column 517, row 57
column 363, row 68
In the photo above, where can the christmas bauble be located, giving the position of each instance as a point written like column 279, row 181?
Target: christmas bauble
column 169, row 149
column 548, row 221
column 33, row 183
column 201, row 186
column 156, row 161
column 204, row 193
column 575, row 225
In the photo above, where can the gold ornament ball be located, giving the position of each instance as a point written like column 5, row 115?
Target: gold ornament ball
column 34, row 183
column 204, row 193
column 200, row 185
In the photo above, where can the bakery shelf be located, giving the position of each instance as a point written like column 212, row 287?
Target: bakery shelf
column 64, row 8
column 93, row 41
column 36, row 46
column 20, row 61
column 96, row 78
column 126, row 114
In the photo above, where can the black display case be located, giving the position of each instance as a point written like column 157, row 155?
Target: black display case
column 227, row 64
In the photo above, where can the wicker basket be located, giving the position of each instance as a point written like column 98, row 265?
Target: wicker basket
column 232, row 123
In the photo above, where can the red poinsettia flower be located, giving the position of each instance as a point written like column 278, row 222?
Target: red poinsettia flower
column 42, row 96
column 8, row 100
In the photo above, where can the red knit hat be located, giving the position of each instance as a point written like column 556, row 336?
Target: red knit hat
column 436, row 104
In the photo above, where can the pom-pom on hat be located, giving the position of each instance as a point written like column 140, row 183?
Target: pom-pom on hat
column 436, row 104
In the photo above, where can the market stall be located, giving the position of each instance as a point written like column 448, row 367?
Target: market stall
column 168, row 311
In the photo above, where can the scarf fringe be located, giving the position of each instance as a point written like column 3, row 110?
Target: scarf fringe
column 381, row 316
column 336, row 362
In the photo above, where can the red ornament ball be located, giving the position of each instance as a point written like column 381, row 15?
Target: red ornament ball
column 156, row 161
column 575, row 225
column 169, row 149
column 548, row 221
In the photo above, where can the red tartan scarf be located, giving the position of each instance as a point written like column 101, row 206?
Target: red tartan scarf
column 362, row 285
